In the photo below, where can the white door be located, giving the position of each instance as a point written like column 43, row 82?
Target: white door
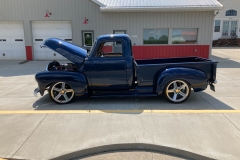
column 43, row 30
column 12, row 44
column 229, row 27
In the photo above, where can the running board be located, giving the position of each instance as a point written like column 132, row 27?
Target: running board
column 138, row 92
column 104, row 94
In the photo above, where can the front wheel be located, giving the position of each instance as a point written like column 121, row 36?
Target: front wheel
column 61, row 93
column 177, row 91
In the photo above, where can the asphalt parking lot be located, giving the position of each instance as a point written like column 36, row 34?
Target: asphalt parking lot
column 207, row 125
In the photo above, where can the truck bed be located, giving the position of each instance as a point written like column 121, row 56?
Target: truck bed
column 145, row 70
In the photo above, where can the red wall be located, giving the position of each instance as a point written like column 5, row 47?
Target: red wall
column 149, row 52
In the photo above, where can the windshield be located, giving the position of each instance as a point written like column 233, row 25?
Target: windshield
column 91, row 50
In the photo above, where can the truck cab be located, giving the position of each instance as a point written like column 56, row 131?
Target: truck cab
column 109, row 65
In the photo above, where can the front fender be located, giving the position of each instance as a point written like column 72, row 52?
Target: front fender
column 196, row 78
column 76, row 80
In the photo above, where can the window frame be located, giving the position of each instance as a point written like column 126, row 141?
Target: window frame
column 98, row 45
column 184, row 43
column 217, row 26
column 229, row 11
column 157, row 29
column 83, row 38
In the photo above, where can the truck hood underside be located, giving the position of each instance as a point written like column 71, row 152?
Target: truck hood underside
column 70, row 51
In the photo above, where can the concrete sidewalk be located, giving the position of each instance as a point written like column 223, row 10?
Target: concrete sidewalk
column 67, row 136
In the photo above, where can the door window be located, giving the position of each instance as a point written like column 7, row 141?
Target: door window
column 109, row 50
column 87, row 38
column 233, row 26
column 229, row 27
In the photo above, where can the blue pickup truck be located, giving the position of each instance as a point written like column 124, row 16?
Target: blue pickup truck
column 109, row 69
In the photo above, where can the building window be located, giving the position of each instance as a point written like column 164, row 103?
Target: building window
column 87, row 38
column 155, row 36
column 217, row 26
column 231, row 12
column 184, row 36
column 119, row 31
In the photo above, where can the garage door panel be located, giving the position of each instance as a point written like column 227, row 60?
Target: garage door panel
column 4, row 24
column 4, row 40
column 18, row 55
column 16, row 32
column 52, row 24
column 17, row 41
column 40, row 54
column 18, row 49
column 48, row 29
column 37, row 24
column 66, row 24
column 67, row 39
column 6, row 55
column 12, row 44
column 4, row 32
column 66, row 32
column 38, row 49
column 40, row 57
column 14, row 24
column 38, row 32
column 5, row 46
column 53, row 32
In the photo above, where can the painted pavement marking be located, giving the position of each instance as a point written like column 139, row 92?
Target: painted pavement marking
column 117, row 111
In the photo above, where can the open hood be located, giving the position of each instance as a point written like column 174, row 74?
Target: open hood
column 70, row 51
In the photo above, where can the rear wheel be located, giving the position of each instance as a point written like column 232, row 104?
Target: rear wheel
column 61, row 93
column 177, row 91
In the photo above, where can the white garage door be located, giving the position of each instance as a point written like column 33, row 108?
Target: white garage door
column 43, row 30
column 12, row 44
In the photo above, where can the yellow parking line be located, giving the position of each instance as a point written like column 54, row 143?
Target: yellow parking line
column 195, row 111
column 116, row 111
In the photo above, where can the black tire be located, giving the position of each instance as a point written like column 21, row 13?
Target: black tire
column 177, row 91
column 61, row 93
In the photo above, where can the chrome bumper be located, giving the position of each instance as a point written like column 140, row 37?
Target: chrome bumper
column 36, row 91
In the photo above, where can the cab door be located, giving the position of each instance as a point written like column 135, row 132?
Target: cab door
column 108, row 68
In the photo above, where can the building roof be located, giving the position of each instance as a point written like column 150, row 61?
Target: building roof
column 157, row 5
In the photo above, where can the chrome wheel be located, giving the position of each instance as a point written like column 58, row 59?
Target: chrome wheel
column 61, row 92
column 177, row 91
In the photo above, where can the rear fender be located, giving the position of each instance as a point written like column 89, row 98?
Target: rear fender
column 76, row 80
column 196, row 78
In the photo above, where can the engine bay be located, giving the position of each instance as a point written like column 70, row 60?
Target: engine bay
column 56, row 66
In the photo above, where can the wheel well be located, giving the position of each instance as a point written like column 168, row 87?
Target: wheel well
column 47, row 87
